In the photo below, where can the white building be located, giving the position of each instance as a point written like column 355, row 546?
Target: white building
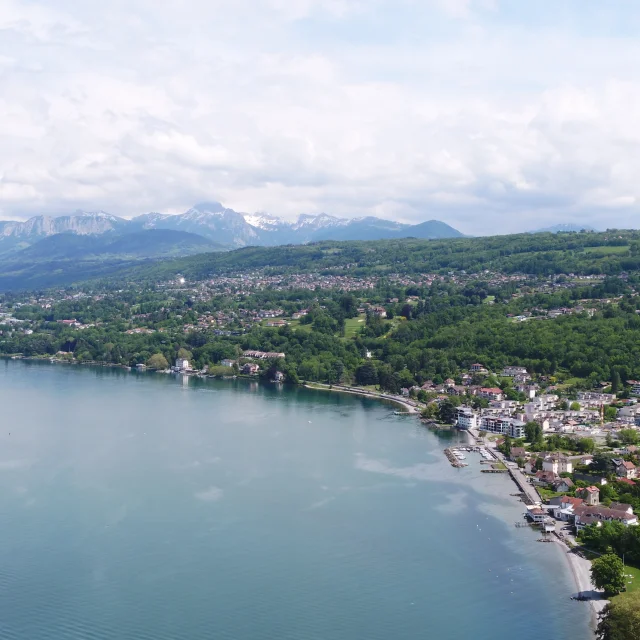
column 558, row 464
column 467, row 418
column 182, row 364
column 503, row 425
column 510, row 372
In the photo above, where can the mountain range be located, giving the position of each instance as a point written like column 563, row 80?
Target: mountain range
column 221, row 225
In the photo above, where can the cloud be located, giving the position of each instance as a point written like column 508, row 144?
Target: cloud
column 491, row 117
column 12, row 465
column 212, row 494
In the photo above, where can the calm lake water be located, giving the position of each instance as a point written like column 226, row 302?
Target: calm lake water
column 151, row 507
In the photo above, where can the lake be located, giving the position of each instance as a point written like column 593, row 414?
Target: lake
column 147, row 506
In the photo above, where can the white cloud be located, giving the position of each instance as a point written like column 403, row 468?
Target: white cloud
column 450, row 109
column 212, row 494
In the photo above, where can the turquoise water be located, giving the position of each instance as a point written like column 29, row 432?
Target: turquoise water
column 147, row 507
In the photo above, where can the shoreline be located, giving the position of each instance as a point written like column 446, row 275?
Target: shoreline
column 410, row 408
column 580, row 569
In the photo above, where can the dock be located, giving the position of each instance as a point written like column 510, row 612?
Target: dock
column 453, row 459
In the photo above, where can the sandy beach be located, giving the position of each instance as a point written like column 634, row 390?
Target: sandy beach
column 581, row 571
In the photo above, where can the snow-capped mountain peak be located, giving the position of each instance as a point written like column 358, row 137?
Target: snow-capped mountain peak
column 264, row 221
column 102, row 215
column 320, row 221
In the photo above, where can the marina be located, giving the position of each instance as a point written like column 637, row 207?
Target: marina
column 457, row 457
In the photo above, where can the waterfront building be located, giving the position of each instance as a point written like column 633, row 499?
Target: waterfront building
column 503, row 425
column 182, row 364
column 466, row 418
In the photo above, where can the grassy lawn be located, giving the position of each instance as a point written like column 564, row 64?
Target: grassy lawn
column 547, row 494
column 489, row 300
column 633, row 584
column 606, row 250
column 571, row 381
column 353, row 325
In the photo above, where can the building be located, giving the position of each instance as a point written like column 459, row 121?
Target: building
column 586, row 515
column 590, row 495
column 536, row 514
column 275, row 323
column 477, row 368
column 563, row 485
column 182, row 364
column 503, row 425
column 595, row 399
column 565, row 509
column 278, row 376
column 626, row 469
column 491, row 393
column 621, row 506
column 511, row 372
column 227, row 362
column 262, row 355
column 544, row 478
column 467, row 418
column 250, row 369
column 517, row 452
column 557, row 463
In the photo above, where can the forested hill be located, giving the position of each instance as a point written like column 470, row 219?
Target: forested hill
column 584, row 253
column 608, row 253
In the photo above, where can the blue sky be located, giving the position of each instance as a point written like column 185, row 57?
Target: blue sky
column 492, row 115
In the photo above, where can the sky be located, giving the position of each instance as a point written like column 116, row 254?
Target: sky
column 491, row 115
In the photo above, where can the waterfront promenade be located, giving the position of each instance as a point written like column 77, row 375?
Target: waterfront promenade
column 410, row 406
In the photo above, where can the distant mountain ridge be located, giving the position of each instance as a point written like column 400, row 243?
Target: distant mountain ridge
column 222, row 225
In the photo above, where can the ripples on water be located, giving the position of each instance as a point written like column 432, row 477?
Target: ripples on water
column 140, row 507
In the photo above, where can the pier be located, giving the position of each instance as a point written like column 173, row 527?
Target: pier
column 453, row 459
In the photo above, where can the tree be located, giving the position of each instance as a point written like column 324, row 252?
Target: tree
column 610, row 413
column 183, row 353
column 628, row 436
column 616, row 383
column 366, row 374
column 620, row 619
column 607, row 573
column 157, row 361
column 447, row 411
column 575, row 406
column 430, row 411
column 533, row 432
column 586, row 445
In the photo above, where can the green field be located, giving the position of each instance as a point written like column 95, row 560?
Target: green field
column 633, row 584
column 353, row 325
column 606, row 250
